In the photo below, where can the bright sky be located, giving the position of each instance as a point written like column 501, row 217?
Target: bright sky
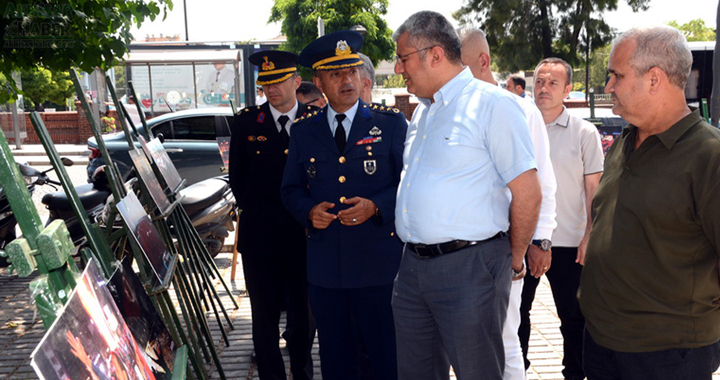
column 233, row 20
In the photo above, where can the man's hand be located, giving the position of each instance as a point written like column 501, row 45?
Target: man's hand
column 362, row 210
column 319, row 217
column 582, row 248
column 538, row 261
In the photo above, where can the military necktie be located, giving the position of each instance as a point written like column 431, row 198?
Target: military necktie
column 283, row 132
column 340, row 132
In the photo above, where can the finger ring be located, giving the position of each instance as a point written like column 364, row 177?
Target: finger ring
column 544, row 268
column 354, row 220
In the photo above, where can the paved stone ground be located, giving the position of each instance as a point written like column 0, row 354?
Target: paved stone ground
column 21, row 331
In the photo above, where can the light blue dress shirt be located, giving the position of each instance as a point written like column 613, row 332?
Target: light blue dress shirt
column 347, row 123
column 461, row 151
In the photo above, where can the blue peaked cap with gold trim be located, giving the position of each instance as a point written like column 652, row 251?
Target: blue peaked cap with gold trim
column 274, row 66
column 333, row 51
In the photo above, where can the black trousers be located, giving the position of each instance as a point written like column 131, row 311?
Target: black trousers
column 564, row 278
column 271, row 284
column 678, row 363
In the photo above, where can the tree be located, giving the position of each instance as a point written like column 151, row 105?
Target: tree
column 60, row 34
column 41, row 85
column 695, row 30
column 300, row 17
column 521, row 32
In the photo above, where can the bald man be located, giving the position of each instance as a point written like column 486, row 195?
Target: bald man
column 476, row 55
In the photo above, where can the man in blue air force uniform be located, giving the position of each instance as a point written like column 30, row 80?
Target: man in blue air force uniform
column 271, row 241
column 340, row 181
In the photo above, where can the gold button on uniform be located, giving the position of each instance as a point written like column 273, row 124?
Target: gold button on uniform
column 341, row 159
column 392, row 234
column 368, row 148
column 342, row 179
column 258, row 152
column 342, row 199
column 286, row 151
column 312, row 159
column 369, row 153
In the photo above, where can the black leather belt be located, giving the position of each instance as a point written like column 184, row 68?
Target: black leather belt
column 427, row 251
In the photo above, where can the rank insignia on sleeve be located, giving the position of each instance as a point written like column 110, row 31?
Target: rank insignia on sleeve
column 261, row 117
column 370, row 166
column 375, row 131
column 251, row 138
column 261, row 138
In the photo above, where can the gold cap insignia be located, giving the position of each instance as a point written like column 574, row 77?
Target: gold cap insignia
column 342, row 48
column 268, row 65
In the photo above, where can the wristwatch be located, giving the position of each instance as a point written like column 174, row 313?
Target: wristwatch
column 543, row 244
column 521, row 273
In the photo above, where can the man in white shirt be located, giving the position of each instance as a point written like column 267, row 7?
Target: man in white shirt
column 476, row 55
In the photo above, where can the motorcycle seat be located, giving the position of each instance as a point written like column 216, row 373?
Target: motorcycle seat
column 88, row 194
column 202, row 194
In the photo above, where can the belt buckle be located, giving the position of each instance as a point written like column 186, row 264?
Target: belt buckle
column 424, row 252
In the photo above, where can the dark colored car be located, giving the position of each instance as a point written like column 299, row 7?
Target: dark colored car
column 608, row 124
column 189, row 137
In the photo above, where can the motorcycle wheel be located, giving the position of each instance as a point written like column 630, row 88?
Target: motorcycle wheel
column 214, row 245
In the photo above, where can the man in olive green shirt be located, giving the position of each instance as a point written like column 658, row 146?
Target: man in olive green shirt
column 649, row 290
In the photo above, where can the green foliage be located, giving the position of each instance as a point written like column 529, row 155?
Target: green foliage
column 394, row 81
column 41, row 85
column 695, row 30
column 598, row 70
column 521, row 33
column 300, row 18
column 60, row 34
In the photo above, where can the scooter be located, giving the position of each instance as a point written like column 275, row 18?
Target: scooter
column 8, row 222
column 209, row 204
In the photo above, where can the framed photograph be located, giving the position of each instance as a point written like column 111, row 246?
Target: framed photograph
column 156, row 150
column 151, row 183
column 89, row 339
column 148, row 328
column 147, row 237
column 224, row 146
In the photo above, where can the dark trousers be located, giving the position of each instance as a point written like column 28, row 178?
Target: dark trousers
column 674, row 364
column 346, row 316
column 564, row 277
column 272, row 283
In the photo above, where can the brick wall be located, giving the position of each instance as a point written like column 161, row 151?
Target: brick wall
column 402, row 102
column 65, row 127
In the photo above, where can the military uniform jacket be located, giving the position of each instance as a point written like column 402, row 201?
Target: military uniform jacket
column 348, row 256
column 257, row 161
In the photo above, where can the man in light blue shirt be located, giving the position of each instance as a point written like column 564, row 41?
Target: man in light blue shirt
column 468, row 143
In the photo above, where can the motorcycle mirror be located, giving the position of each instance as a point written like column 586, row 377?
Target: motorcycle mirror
column 160, row 137
column 28, row 171
column 66, row 161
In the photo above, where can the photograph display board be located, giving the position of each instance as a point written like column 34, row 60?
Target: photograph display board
column 90, row 340
column 149, row 330
column 146, row 236
column 148, row 177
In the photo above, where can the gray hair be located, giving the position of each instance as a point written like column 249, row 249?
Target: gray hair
column 427, row 28
column 475, row 35
column 556, row 61
column 660, row 46
column 367, row 70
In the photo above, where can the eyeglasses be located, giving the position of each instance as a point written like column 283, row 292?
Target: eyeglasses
column 402, row 58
